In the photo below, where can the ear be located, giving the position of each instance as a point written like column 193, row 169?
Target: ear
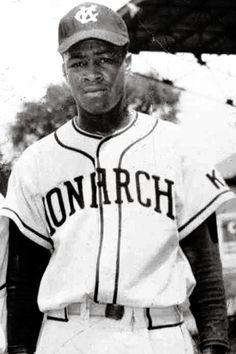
column 64, row 71
column 127, row 62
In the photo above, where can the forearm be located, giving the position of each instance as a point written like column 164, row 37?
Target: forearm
column 26, row 264
column 207, row 301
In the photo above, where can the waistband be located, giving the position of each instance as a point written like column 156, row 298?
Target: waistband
column 154, row 317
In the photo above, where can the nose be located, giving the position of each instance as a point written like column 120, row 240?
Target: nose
column 93, row 74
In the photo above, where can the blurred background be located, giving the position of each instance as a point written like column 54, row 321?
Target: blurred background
column 183, row 70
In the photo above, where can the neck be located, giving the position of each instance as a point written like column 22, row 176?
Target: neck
column 105, row 123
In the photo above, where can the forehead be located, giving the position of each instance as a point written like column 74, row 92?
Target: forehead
column 91, row 46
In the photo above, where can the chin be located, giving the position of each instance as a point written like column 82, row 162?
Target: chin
column 97, row 106
column 96, row 109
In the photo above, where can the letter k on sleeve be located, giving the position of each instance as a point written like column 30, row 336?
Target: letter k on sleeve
column 203, row 190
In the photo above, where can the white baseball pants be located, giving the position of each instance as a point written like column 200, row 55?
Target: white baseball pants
column 96, row 334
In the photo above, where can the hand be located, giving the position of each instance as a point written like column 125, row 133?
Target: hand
column 23, row 352
column 214, row 349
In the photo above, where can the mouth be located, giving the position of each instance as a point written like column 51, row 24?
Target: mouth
column 92, row 89
column 94, row 92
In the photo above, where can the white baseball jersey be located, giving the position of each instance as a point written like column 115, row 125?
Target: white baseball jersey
column 112, row 210
column 4, row 234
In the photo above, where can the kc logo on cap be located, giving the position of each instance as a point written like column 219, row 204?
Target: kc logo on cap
column 87, row 14
column 91, row 21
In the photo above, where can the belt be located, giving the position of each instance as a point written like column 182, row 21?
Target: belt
column 108, row 310
column 156, row 317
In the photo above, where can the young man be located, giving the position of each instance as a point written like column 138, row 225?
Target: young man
column 110, row 217
column 3, row 267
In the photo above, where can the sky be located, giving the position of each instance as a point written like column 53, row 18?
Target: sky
column 29, row 62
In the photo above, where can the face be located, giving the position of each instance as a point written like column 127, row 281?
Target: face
column 95, row 71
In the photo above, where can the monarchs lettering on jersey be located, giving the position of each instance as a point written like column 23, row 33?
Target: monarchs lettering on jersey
column 62, row 202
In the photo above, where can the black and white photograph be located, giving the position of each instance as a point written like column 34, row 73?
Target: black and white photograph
column 118, row 177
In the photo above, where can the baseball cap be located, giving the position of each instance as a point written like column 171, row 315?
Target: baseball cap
column 91, row 20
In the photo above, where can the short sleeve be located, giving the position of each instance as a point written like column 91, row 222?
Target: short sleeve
column 24, row 203
column 202, row 191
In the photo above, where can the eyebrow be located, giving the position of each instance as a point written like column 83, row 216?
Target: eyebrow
column 74, row 55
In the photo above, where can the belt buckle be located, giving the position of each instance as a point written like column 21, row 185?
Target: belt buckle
column 115, row 312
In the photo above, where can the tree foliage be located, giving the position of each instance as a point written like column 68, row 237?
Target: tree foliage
column 5, row 169
column 37, row 119
column 148, row 94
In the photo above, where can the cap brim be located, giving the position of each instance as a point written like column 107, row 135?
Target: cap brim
column 109, row 37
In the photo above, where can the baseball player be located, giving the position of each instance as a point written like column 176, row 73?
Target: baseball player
column 112, row 219
column 3, row 266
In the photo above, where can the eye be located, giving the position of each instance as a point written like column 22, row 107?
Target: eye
column 77, row 64
column 105, row 60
